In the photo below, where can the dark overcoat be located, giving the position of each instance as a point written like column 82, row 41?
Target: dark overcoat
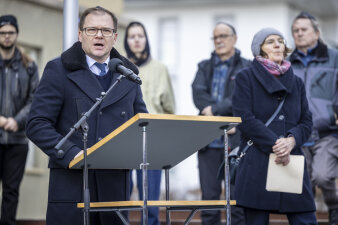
column 257, row 95
column 67, row 89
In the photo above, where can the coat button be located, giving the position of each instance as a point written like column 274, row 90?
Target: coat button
column 100, row 113
column 100, row 138
column 123, row 113
column 281, row 117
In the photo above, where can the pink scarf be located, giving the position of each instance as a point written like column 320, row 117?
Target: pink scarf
column 273, row 67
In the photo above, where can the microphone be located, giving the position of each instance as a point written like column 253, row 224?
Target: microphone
column 116, row 65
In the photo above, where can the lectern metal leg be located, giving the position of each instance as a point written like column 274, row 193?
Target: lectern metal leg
column 86, row 193
column 226, row 178
column 167, row 195
column 144, row 167
column 192, row 213
column 124, row 220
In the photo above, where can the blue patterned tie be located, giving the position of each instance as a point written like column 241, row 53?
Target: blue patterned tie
column 102, row 67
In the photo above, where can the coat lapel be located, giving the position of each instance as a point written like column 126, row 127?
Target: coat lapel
column 120, row 90
column 87, row 82
column 270, row 83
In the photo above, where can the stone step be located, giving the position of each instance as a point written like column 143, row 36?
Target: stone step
column 178, row 218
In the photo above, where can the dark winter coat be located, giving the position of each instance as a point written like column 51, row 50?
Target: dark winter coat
column 67, row 89
column 201, row 87
column 17, row 85
column 320, row 78
column 257, row 95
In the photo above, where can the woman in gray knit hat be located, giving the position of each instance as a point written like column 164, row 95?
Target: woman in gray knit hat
column 267, row 85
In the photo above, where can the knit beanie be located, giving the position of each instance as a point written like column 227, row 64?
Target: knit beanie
column 260, row 37
column 9, row 19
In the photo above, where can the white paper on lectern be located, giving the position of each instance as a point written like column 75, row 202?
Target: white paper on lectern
column 287, row 178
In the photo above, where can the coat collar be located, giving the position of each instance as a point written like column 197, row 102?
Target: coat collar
column 75, row 59
column 14, row 61
column 234, row 59
column 270, row 83
column 320, row 53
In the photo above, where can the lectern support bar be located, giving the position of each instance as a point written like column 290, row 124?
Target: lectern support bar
column 226, row 178
column 144, row 167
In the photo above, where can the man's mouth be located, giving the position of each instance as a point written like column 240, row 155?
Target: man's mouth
column 98, row 45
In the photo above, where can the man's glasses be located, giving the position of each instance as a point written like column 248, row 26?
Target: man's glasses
column 9, row 33
column 273, row 41
column 221, row 37
column 92, row 31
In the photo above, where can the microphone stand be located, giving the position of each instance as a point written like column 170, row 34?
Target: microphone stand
column 83, row 126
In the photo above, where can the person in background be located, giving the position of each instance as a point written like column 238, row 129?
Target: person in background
column 259, row 89
column 212, row 92
column 18, row 81
column 69, row 87
column 157, row 94
column 317, row 65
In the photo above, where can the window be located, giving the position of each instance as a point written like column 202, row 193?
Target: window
column 168, row 46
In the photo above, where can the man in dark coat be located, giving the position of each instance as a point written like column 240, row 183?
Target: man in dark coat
column 18, row 81
column 212, row 92
column 69, row 86
column 317, row 65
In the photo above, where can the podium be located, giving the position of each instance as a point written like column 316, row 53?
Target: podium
column 158, row 141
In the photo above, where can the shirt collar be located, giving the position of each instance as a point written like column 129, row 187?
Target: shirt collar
column 92, row 67
column 91, row 61
column 309, row 51
column 218, row 61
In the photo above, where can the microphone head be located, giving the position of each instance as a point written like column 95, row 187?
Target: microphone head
column 114, row 63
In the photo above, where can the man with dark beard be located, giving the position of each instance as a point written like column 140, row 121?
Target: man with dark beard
column 18, row 80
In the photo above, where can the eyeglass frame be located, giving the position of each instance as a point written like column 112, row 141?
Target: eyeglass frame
column 222, row 37
column 97, row 31
column 9, row 33
column 273, row 41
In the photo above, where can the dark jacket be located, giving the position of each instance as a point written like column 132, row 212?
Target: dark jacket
column 320, row 78
column 257, row 95
column 17, row 85
column 201, row 87
column 67, row 89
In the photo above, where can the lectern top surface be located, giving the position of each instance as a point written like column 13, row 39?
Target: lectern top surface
column 170, row 139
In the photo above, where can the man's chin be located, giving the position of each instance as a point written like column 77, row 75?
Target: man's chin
column 6, row 47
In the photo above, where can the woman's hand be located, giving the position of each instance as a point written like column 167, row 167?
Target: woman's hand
column 284, row 146
column 283, row 160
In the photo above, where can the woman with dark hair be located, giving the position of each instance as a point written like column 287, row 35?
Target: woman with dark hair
column 259, row 91
column 157, row 94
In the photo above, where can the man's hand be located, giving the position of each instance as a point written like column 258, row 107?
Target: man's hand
column 78, row 154
column 3, row 121
column 207, row 111
column 232, row 130
column 284, row 146
column 11, row 125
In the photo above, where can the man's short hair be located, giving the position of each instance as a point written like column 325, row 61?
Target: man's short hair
column 306, row 15
column 230, row 26
column 97, row 10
